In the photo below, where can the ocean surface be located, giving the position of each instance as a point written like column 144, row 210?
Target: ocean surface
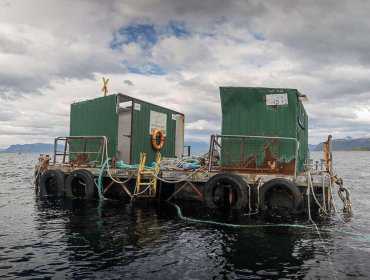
column 43, row 238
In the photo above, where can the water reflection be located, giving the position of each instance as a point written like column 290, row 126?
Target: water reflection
column 63, row 239
column 149, row 241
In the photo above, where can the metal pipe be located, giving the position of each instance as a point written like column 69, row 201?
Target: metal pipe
column 211, row 149
column 65, row 138
column 55, row 149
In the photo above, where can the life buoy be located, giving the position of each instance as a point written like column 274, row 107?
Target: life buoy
column 157, row 133
column 52, row 183
column 281, row 194
column 80, row 184
column 226, row 189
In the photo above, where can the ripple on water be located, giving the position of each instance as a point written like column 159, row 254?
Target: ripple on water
column 44, row 238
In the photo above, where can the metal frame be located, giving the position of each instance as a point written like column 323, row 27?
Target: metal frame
column 66, row 139
column 215, row 137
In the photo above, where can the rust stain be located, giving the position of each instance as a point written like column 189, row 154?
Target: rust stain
column 286, row 168
column 269, row 161
column 264, row 160
column 269, row 166
column 80, row 159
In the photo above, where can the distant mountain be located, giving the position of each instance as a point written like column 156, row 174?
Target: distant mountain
column 312, row 147
column 31, row 148
column 347, row 143
column 197, row 148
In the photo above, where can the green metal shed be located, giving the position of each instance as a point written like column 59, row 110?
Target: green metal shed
column 277, row 113
column 128, row 123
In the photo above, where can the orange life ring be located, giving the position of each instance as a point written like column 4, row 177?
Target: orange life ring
column 157, row 133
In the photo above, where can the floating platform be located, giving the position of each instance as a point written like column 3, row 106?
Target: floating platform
column 71, row 175
column 125, row 148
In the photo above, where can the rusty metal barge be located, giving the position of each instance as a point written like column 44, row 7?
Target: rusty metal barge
column 125, row 148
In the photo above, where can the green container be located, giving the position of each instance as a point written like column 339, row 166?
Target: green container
column 128, row 124
column 268, row 112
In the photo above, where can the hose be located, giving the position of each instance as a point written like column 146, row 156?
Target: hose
column 182, row 217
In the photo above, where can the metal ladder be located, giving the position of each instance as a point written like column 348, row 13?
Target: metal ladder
column 149, row 182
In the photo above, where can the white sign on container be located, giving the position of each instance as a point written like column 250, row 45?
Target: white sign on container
column 276, row 99
column 157, row 120
column 137, row 106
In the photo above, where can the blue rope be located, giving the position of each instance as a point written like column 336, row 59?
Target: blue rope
column 192, row 220
column 100, row 178
column 359, row 236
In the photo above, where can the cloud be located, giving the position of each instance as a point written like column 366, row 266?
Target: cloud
column 177, row 54
column 128, row 82
column 44, row 49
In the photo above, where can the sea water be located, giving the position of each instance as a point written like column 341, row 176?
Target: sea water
column 62, row 238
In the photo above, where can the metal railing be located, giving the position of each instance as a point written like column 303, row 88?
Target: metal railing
column 253, row 154
column 81, row 149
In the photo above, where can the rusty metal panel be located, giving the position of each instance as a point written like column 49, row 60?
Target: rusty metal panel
column 96, row 117
column 269, row 112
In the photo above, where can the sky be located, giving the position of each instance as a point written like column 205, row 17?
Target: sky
column 177, row 54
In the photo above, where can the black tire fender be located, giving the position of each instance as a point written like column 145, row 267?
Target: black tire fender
column 52, row 183
column 226, row 179
column 279, row 184
column 80, row 184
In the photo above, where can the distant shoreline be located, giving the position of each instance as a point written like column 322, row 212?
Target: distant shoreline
column 360, row 149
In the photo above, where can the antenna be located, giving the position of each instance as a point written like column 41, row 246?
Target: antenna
column 105, row 87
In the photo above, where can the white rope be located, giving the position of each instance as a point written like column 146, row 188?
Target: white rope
column 177, row 181
column 258, row 194
column 136, row 193
column 249, row 198
column 38, row 171
column 310, row 186
column 258, row 199
column 318, row 232
column 323, row 191
column 121, row 182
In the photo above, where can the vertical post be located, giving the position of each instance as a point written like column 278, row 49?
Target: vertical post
column 55, row 149
column 211, row 149
column 329, row 168
column 296, row 159
column 328, row 156
column 243, row 151
column 65, row 151
column 105, row 150
column 85, row 144
column 188, row 150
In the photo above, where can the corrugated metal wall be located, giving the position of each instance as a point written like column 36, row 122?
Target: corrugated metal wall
column 96, row 117
column 99, row 117
column 141, row 139
column 244, row 112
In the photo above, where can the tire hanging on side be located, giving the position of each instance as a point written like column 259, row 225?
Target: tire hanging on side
column 52, row 183
column 80, row 184
column 223, row 186
column 281, row 194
